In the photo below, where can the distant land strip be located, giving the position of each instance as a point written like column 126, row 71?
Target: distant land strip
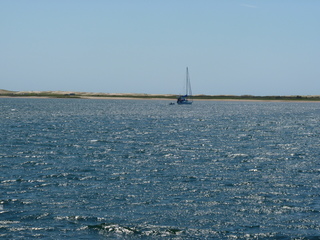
column 86, row 95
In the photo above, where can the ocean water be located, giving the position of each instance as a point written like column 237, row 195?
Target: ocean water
column 142, row 169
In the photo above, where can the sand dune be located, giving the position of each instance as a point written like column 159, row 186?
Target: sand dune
column 95, row 95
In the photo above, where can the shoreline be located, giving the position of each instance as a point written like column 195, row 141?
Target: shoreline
column 144, row 96
column 158, row 99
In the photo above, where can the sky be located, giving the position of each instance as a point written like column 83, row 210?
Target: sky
column 231, row 47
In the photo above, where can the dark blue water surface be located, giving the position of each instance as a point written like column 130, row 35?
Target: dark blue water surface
column 141, row 169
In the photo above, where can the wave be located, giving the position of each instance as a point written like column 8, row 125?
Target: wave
column 147, row 230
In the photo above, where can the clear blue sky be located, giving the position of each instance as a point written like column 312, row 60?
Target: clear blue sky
column 257, row 47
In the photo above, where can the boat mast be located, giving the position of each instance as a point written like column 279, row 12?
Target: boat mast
column 187, row 80
column 188, row 83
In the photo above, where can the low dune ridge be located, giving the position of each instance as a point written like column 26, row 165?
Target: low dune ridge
column 92, row 95
column 201, row 97
column 2, row 91
column 85, row 93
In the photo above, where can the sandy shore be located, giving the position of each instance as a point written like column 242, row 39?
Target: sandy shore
column 162, row 99
column 134, row 96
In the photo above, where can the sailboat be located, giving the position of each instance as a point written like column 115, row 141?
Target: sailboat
column 187, row 98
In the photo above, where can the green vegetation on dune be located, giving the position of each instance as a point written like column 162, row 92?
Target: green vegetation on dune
column 41, row 94
column 250, row 97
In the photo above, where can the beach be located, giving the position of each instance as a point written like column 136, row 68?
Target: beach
column 144, row 96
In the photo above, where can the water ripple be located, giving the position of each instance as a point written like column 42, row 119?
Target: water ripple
column 96, row 169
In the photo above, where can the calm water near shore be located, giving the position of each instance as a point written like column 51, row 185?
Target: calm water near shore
column 141, row 169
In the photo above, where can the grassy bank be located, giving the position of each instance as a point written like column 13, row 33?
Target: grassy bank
column 266, row 98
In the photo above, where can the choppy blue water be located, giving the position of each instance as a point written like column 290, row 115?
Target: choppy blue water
column 135, row 169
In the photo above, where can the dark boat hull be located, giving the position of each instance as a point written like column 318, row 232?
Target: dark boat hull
column 184, row 103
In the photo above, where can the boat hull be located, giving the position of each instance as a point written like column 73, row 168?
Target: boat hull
column 184, row 103
column 184, row 100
